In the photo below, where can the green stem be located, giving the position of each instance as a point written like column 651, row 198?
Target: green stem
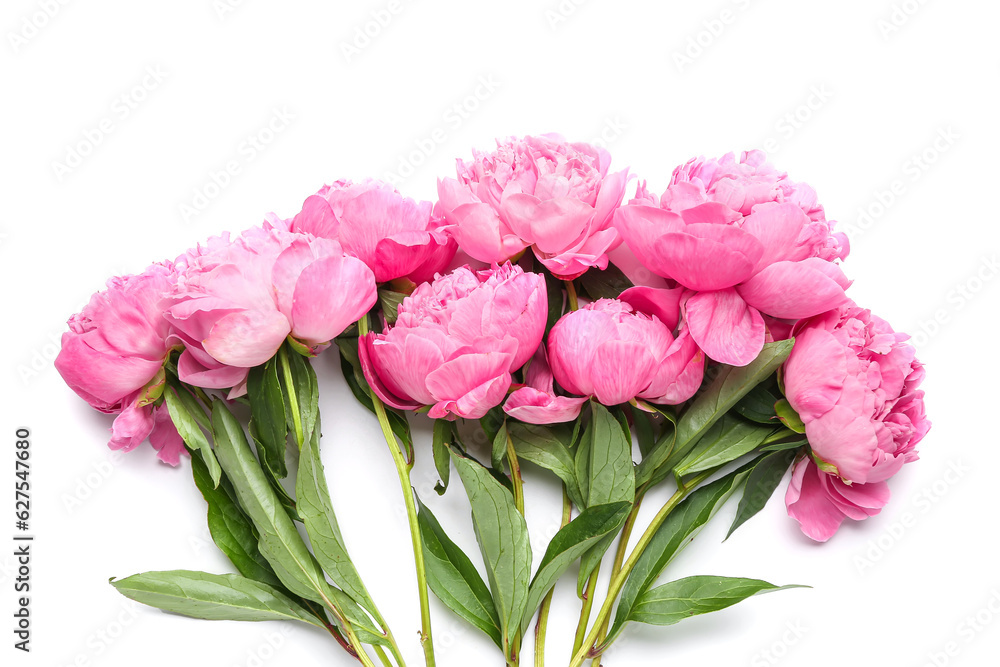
column 541, row 626
column 383, row 658
column 352, row 638
column 292, row 398
column 515, row 476
column 616, row 567
column 403, row 472
column 618, row 581
column 574, row 303
column 588, row 604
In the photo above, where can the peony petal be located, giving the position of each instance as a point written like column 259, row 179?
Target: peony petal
column 476, row 227
column 778, row 227
column 552, row 225
column 131, row 428
column 708, row 257
column 165, row 439
column 101, row 379
column 641, row 226
column 538, row 407
column 247, row 338
column 663, row 303
column 573, row 343
column 374, row 379
column 679, row 375
column 470, row 369
column 814, row 373
column 316, row 218
column 725, row 327
column 808, row 503
column 192, row 371
column 609, row 197
column 795, row 290
column 331, row 293
column 621, row 369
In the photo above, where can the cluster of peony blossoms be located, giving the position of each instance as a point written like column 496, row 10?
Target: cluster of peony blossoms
column 517, row 299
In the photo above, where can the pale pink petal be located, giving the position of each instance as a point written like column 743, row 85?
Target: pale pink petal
column 551, row 225
column 316, row 218
column 248, row 338
column 330, row 294
column 679, row 375
column 475, row 403
column 725, row 327
column 609, row 197
column 217, row 376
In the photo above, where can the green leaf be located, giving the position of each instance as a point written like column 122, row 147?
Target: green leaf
column 727, row 440
column 280, row 542
column 299, row 378
column 454, row 579
column 317, row 513
column 645, row 431
column 779, row 446
column 442, row 457
column 499, row 450
column 761, row 483
column 217, row 597
column 788, row 416
column 607, row 284
column 185, row 417
column 268, row 423
column 571, row 542
column 758, row 405
column 547, row 447
column 730, row 385
column 389, row 300
column 606, row 474
column 691, row 596
column 677, row 531
column 230, row 527
column 503, row 541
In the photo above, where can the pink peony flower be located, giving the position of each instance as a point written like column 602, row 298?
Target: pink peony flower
column 820, row 501
column 747, row 240
column 113, row 355
column 617, row 350
column 395, row 236
column 237, row 301
column 854, row 382
column 457, row 340
column 541, row 192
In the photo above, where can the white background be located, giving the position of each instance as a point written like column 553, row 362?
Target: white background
column 847, row 95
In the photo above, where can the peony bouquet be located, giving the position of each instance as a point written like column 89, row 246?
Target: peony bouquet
column 700, row 339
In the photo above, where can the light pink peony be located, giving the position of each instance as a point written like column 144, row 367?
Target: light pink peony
column 396, row 237
column 237, row 301
column 820, row 501
column 457, row 340
column 113, row 354
column 617, row 350
column 541, row 192
column 854, row 382
column 747, row 241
